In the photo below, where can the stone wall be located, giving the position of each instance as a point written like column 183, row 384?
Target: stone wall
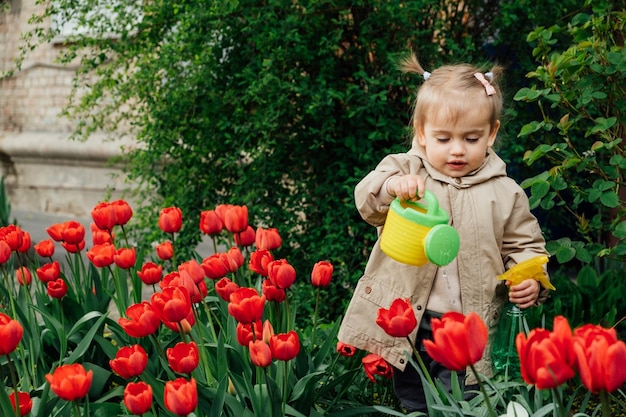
column 44, row 170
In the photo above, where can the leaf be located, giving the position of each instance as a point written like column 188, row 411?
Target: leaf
column 609, row 199
column 87, row 339
column 540, row 189
column 587, row 279
column 565, row 254
column 531, row 127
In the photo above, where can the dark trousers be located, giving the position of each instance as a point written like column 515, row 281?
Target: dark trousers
column 408, row 385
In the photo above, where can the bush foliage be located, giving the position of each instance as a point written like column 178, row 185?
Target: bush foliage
column 285, row 107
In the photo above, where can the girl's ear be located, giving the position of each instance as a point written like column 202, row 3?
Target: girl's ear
column 493, row 133
column 421, row 138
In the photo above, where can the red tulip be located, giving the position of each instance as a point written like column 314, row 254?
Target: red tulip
column 165, row 250
column 221, row 210
column 268, row 239
column 236, row 219
column 260, row 353
column 210, row 222
column 345, row 349
column 214, row 266
column 281, row 273
column 246, row 306
column 73, row 232
column 183, row 357
column 5, row 252
column 45, row 248
column 245, row 238
column 236, row 259
column 173, row 303
column 598, row 357
column 181, row 396
column 129, row 361
column 55, row 231
column 26, row 242
column 184, row 279
column 244, row 332
column 459, row 341
column 125, row 258
column 102, row 255
column 100, row 236
column 24, row 402
column 49, row 272
column 150, row 273
column 74, row 247
column 194, row 269
column 224, row 288
column 12, row 235
column 143, row 320
column 57, row 288
column 123, row 212
column 104, row 215
column 171, row 219
column 23, row 275
column 183, row 326
column 138, row 397
column 70, row 382
column 272, row 292
column 322, row 274
column 375, row 365
column 285, row 346
column 11, row 332
column 399, row 320
column 547, row 358
column 259, row 261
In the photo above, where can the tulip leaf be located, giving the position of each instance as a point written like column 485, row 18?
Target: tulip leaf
column 87, row 339
column 304, row 385
column 5, row 403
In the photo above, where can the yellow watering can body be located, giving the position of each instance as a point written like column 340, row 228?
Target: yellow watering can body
column 415, row 234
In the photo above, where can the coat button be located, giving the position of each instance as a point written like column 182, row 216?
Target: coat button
column 368, row 290
column 419, row 308
column 402, row 361
column 457, row 180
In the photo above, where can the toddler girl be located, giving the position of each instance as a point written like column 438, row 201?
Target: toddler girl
column 455, row 121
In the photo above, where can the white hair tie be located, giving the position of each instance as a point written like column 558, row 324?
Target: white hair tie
column 426, row 75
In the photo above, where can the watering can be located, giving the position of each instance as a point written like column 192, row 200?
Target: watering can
column 415, row 233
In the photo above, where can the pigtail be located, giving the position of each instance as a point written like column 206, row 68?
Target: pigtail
column 410, row 64
column 495, row 75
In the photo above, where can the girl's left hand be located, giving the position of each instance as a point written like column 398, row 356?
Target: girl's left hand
column 525, row 293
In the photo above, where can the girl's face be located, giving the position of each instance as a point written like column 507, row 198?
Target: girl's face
column 456, row 148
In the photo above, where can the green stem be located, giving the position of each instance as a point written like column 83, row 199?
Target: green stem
column 559, row 401
column 203, row 354
column 76, row 408
column 14, row 381
column 317, row 301
column 421, row 363
column 285, row 383
column 606, row 403
column 484, row 391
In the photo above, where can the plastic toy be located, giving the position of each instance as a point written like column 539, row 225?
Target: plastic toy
column 415, row 233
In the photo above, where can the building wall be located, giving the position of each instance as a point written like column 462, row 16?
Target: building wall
column 44, row 170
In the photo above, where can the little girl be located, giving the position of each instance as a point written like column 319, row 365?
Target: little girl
column 455, row 121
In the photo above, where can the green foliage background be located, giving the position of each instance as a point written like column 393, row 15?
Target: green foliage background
column 284, row 106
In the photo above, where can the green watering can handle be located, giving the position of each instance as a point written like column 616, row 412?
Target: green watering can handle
column 433, row 203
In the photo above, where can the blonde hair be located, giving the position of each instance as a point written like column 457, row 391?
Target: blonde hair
column 453, row 89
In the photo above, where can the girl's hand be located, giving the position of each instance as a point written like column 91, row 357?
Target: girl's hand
column 406, row 187
column 525, row 293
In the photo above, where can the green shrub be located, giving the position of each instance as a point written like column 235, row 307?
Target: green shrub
column 579, row 89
